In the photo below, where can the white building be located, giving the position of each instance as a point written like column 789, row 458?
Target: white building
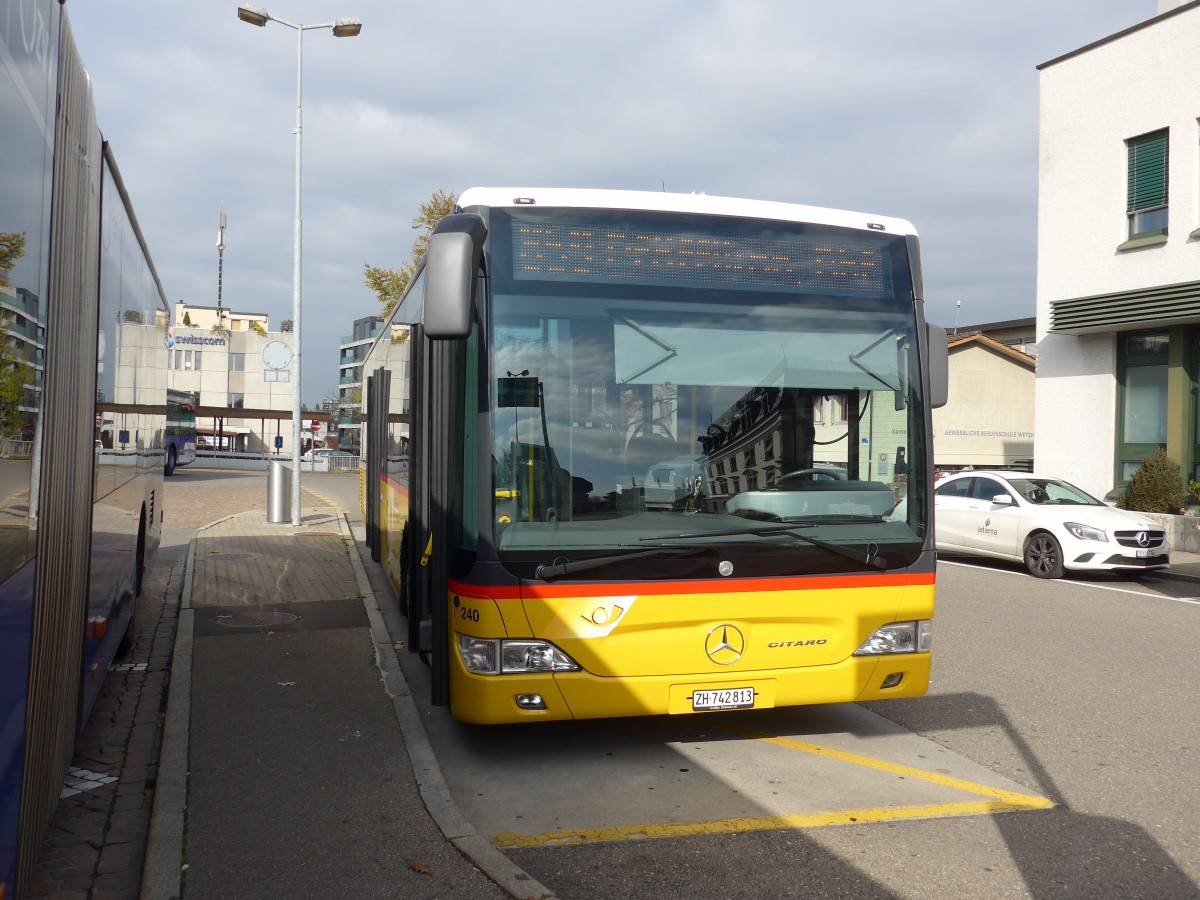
column 1118, row 300
column 241, row 368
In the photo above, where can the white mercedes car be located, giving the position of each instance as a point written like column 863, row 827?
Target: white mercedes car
column 1046, row 523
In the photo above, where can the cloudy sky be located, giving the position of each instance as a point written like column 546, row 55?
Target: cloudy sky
column 926, row 110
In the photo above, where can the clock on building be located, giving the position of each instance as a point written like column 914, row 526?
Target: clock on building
column 277, row 355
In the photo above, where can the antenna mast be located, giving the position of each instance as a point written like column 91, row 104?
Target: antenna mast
column 220, row 267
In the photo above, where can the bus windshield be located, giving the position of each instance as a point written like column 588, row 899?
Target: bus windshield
column 741, row 385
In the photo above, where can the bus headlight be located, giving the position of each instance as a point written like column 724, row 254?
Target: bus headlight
column 483, row 656
column 478, row 655
column 899, row 637
column 534, row 656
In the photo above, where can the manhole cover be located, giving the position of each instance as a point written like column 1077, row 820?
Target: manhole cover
column 256, row 620
column 228, row 556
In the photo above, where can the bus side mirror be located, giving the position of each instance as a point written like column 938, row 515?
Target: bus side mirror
column 449, row 276
column 939, row 365
column 451, row 264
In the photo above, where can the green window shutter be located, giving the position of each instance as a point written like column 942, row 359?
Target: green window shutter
column 1147, row 171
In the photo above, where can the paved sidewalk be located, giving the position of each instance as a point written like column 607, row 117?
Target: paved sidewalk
column 285, row 771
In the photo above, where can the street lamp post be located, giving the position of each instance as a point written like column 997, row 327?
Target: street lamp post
column 256, row 15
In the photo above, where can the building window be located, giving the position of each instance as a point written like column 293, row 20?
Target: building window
column 1147, row 184
column 769, row 447
column 237, row 362
column 1142, row 371
column 237, row 401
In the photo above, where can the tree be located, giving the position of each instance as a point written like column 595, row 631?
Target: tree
column 12, row 248
column 286, row 326
column 187, row 320
column 14, row 384
column 257, row 328
column 390, row 284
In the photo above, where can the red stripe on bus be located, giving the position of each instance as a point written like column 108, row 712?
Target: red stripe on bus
column 643, row 588
column 395, row 485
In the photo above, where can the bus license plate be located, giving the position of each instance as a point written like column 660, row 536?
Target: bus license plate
column 727, row 698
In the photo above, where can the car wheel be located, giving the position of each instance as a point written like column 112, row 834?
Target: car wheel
column 1043, row 556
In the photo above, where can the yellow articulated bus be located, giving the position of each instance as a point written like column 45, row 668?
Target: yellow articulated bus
column 644, row 453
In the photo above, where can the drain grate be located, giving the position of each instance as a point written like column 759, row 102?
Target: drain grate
column 256, row 620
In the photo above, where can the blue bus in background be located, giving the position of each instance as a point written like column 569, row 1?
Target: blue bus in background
column 180, row 446
column 84, row 326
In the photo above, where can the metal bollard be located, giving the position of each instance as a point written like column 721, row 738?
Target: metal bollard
column 279, row 493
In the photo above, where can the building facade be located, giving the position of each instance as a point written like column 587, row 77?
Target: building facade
column 241, row 368
column 1118, row 300
column 988, row 419
column 191, row 316
column 352, row 351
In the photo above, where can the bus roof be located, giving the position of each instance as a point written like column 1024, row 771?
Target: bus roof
column 703, row 204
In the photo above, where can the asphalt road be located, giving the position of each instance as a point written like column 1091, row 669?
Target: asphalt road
column 1080, row 691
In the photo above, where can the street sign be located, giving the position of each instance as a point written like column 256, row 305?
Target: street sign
column 315, row 426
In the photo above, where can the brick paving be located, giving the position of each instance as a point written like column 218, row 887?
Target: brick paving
column 95, row 843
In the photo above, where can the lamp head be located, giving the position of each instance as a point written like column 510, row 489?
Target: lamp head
column 347, row 27
column 255, row 15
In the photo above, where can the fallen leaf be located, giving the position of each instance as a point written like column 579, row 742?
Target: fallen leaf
column 286, row 683
column 417, row 866
column 399, row 645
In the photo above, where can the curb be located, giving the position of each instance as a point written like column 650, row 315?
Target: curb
column 162, row 868
column 430, row 781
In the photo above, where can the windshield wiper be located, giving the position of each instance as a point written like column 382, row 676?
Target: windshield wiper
column 562, row 566
column 870, row 557
column 856, row 359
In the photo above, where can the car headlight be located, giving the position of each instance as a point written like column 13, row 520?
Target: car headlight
column 899, row 637
column 1085, row 532
column 484, row 656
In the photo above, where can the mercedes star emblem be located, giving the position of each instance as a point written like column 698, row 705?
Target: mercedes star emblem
column 724, row 645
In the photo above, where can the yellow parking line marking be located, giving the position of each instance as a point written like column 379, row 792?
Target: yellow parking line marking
column 1021, row 801
column 516, row 840
column 323, row 498
column 1000, row 801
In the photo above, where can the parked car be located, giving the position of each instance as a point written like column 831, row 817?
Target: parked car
column 1046, row 523
column 817, row 473
column 323, row 451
